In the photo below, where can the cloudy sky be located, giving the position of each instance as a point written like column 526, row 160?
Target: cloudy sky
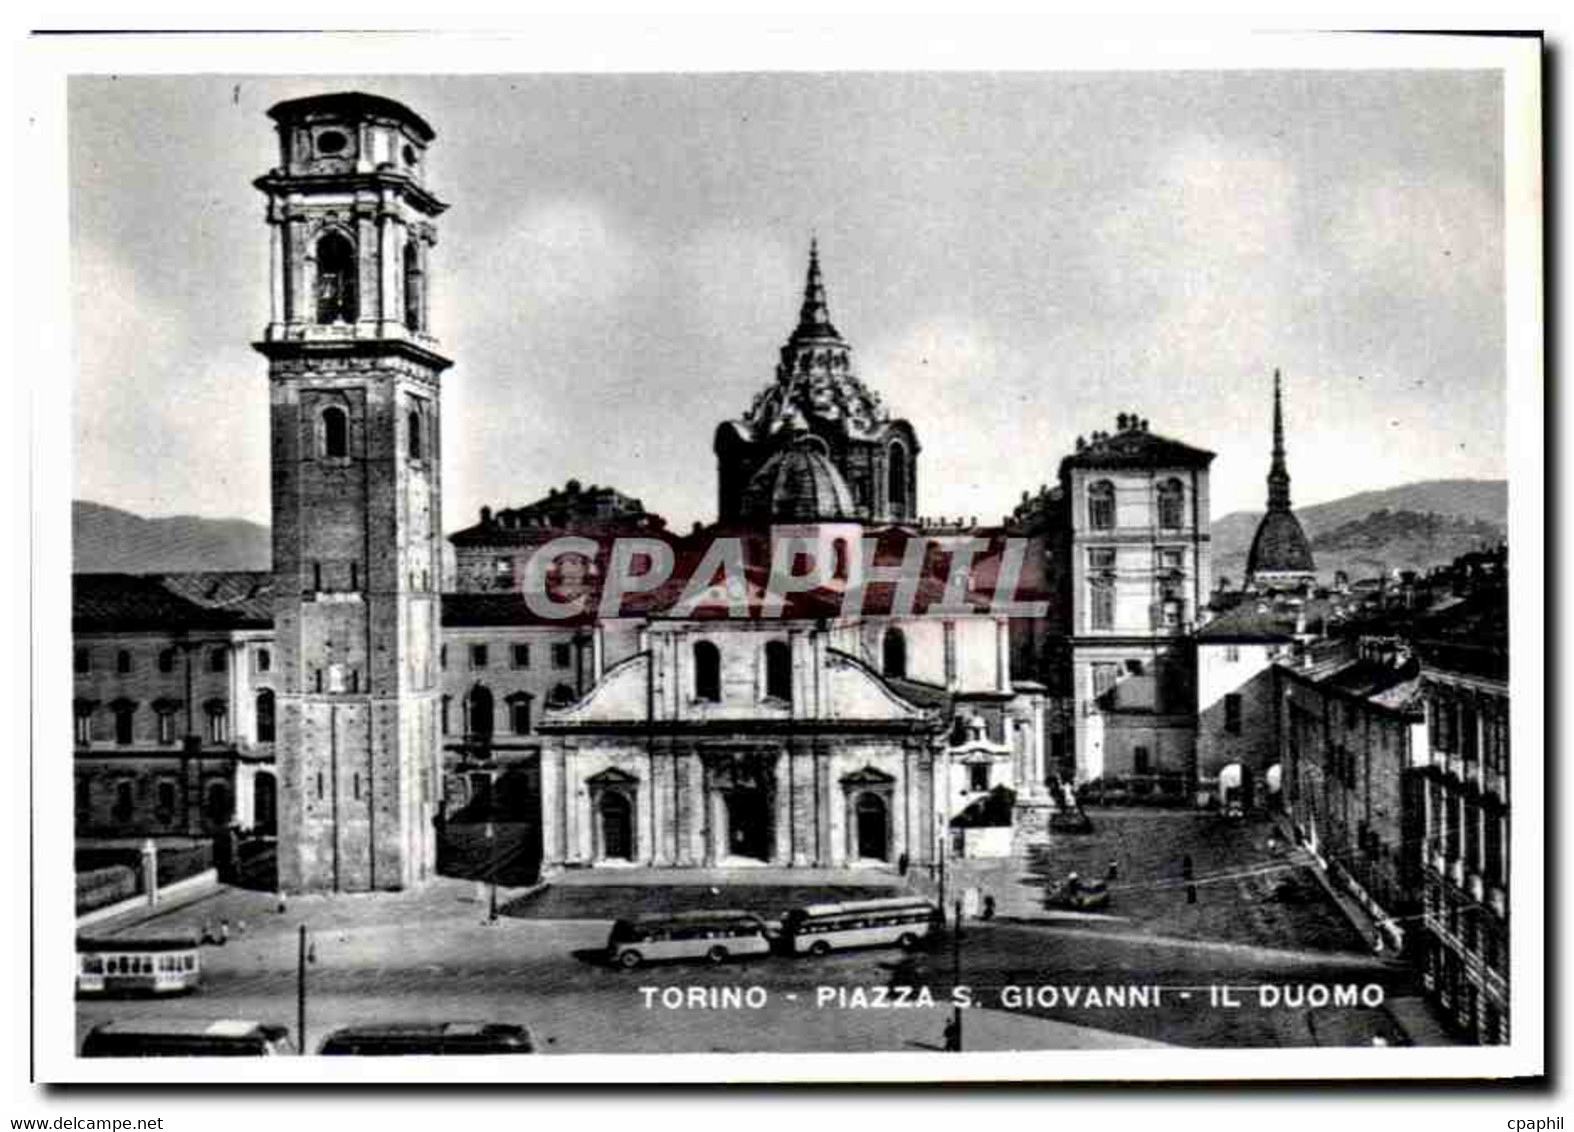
column 1015, row 258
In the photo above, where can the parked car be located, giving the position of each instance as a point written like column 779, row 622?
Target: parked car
column 392, row 1039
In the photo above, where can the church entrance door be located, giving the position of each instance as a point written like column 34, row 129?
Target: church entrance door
column 873, row 835
column 749, row 824
column 617, row 838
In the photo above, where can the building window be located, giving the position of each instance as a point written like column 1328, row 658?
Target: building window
column 218, row 723
column 561, row 696
column 219, row 808
column 894, row 653
column 521, row 656
column 1232, row 713
column 519, row 715
column 219, row 660
column 265, row 716
column 1172, row 505
column 1101, row 603
column 125, row 718
column 707, row 672
column 1105, row 677
column 335, row 444
column 447, row 708
column 264, row 660
column 123, row 661
column 1101, row 560
column 84, row 725
column 125, row 801
column 82, row 660
column 896, row 479
column 164, row 801
column 503, row 574
column 479, row 657
column 978, row 776
column 562, row 655
column 1141, row 760
column 166, row 660
column 413, row 425
column 778, row 670
column 336, row 291
column 1232, row 654
column 442, row 657
column 1170, row 560
column 166, row 727
column 84, row 794
column 1101, row 505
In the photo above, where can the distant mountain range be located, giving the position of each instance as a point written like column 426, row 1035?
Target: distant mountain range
column 1407, row 528
column 1410, row 527
column 109, row 540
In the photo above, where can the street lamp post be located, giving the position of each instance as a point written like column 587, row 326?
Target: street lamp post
column 491, row 872
column 300, row 991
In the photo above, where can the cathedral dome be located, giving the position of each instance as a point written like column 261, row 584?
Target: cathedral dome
column 799, row 484
column 1279, row 547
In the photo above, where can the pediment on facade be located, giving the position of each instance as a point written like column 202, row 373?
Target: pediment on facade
column 618, row 697
column 868, row 776
column 612, row 776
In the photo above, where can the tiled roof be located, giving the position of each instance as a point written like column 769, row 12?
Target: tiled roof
column 1136, row 448
column 206, row 600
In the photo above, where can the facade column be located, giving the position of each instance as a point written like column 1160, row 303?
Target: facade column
column 781, row 807
column 389, row 273
column 1002, row 656
column 298, row 299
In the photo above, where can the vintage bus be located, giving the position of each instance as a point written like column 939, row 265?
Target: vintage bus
column 905, row 921
column 713, row 936
column 183, row 1037
column 161, row 965
column 394, row 1039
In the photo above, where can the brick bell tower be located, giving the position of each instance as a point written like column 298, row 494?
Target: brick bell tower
column 354, row 373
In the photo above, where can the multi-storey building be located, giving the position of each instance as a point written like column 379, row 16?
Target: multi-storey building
column 1352, row 736
column 1135, row 571
column 1466, row 824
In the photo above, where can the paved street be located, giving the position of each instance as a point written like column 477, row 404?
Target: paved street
column 432, row 954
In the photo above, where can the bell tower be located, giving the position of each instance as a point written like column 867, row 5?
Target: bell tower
column 354, row 377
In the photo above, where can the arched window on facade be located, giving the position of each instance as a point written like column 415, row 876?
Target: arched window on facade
column 893, row 653
column 412, row 286
column 778, row 670
column 1172, row 505
column 265, row 727
column 839, row 560
column 415, row 445
column 336, row 292
column 335, row 432
column 707, row 672
column 896, row 479
column 561, row 696
column 1101, row 505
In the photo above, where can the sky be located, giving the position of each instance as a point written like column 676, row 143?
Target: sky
column 1015, row 258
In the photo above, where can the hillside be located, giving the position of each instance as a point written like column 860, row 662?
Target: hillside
column 106, row 539
column 1410, row 527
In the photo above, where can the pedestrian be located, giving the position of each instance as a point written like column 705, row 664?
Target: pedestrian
column 953, row 1035
column 1191, row 894
column 207, row 932
column 901, row 864
column 1073, row 883
column 1113, row 872
column 1186, row 866
column 224, row 932
column 989, row 907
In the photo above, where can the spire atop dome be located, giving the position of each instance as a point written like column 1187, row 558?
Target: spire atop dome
column 1278, row 470
column 814, row 319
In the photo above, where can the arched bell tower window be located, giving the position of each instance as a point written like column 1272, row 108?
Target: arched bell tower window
column 336, row 293
column 412, row 286
column 896, row 479
column 335, row 432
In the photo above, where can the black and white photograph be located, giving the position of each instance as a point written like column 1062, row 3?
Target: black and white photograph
column 753, row 569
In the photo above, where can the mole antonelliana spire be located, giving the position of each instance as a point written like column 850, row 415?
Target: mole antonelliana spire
column 1280, row 556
